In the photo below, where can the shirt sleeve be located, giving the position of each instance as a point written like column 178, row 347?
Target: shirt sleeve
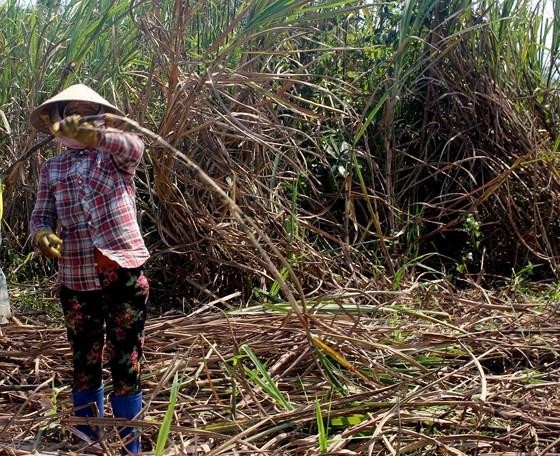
column 44, row 212
column 125, row 148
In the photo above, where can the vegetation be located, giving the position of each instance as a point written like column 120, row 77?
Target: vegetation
column 481, row 380
column 320, row 158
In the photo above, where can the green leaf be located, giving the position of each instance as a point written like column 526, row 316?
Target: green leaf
column 166, row 425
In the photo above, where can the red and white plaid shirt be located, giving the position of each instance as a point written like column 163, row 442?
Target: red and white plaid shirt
column 91, row 193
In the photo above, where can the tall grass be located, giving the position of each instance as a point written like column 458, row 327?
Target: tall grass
column 358, row 136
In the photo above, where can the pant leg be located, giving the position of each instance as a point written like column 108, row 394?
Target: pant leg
column 125, row 296
column 83, row 315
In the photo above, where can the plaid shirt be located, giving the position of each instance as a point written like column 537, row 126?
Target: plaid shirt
column 91, row 194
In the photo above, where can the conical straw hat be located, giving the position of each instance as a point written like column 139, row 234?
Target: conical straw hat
column 76, row 92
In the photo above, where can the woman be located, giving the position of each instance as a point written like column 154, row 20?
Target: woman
column 89, row 191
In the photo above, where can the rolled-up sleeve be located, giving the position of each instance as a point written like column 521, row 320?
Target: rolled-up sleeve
column 125, row 148
column 44, row 212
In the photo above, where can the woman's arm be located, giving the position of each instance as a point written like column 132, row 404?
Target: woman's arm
column 126, row 149
column 44, row 212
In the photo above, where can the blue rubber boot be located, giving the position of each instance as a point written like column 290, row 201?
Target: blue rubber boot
column 85, row 403
column 128, row 407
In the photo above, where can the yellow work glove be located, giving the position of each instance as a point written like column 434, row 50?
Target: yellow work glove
column 73, row 127
column 48, row 243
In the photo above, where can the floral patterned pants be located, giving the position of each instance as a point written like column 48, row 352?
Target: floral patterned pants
column 121, row 307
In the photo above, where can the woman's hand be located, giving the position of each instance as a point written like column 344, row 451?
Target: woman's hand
column 48, row 243
column 73, row 127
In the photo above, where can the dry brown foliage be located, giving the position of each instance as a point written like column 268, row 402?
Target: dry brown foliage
column 482, row 147
column 422, row 371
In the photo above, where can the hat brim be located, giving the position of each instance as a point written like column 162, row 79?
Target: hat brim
column 40, row 117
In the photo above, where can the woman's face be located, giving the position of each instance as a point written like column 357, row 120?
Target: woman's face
column 83, row 108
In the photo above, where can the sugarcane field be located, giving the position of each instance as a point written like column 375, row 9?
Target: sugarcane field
column 280, row 227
